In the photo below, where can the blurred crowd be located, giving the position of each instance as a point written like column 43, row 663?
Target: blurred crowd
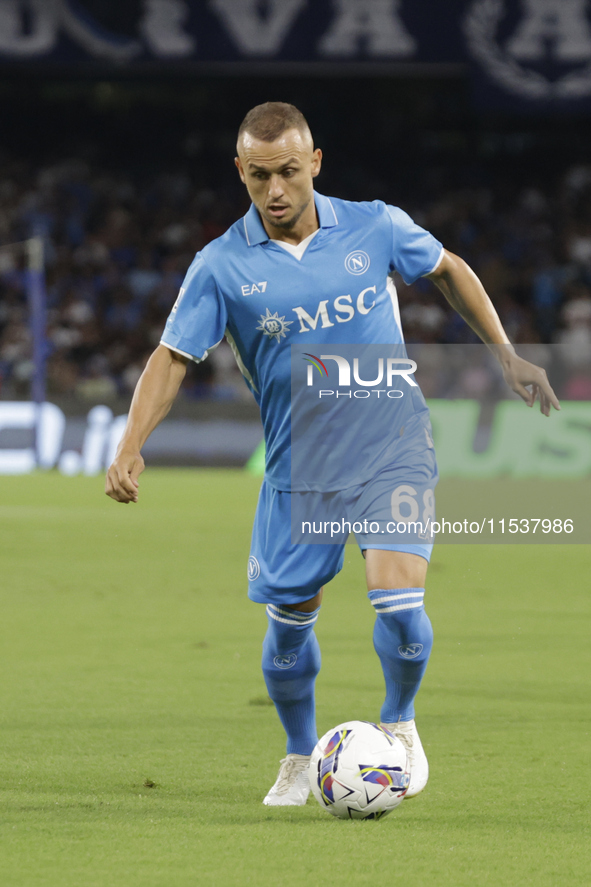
column 116, row 253
column 117, row 248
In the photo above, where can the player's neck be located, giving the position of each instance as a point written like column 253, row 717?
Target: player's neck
column 305, row 225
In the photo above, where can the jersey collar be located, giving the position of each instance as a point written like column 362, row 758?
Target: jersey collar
column 254, row 229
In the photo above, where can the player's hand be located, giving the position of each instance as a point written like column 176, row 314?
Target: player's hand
column 530, row 382
column 122, row 477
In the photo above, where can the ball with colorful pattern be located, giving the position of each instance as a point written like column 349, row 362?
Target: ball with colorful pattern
column 359, row 771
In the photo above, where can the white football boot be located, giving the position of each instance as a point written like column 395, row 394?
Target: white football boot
column 292, row 786
column 406, row 731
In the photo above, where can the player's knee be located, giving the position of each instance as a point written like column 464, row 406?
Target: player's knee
column 310, row 605
column 289, row 626
column 394, row 569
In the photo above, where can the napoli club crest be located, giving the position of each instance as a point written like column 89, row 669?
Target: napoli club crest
column 357, row 262
column 285, row 661
column 410, row 651
column 254, row 568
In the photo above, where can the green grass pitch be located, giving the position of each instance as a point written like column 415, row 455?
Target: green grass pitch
column 136, row 741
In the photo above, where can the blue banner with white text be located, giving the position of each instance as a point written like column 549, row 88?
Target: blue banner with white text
column 532, row 54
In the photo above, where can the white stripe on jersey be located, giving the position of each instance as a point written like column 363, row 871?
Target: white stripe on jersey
column 391, row 287
column 239, row 361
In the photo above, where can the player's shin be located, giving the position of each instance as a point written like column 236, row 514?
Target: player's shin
column 291, row 661
column 403, row 638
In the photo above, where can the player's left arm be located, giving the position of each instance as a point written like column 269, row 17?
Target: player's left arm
column 466, row 294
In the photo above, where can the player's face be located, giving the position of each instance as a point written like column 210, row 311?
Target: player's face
column 279, row 176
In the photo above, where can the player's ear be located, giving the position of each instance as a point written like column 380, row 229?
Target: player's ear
column 238, row 163
column 316, row 162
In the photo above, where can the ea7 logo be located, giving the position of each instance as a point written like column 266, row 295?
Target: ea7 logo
column 250, row 288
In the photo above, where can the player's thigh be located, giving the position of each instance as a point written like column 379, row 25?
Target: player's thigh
column 309, row 605
column 279, row 571
column 394, row 569
column 397, row 509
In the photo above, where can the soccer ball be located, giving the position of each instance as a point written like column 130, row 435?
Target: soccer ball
column 359, row 771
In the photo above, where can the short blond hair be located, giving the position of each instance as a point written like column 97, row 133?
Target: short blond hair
column 269, row 120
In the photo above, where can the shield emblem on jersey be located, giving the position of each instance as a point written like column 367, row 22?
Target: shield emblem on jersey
column 357, row 262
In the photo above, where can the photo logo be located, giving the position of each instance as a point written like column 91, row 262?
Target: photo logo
column 389, row 371
column 357, row 262
column 314, row 361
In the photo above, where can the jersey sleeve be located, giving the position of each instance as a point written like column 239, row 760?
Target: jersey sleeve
column 415, row 252
column 198, row 318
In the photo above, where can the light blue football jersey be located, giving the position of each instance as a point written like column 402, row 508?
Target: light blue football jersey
column 264, row 299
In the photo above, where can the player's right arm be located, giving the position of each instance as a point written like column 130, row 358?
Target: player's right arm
column 153, row 397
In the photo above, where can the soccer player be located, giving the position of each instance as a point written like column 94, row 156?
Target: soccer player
column 277, row 278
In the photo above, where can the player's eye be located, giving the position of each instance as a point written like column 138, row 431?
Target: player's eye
column 288, row 173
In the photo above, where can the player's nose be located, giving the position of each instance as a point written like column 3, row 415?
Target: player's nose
column 275, row 186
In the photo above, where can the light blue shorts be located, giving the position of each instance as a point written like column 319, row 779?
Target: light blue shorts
column 284, row 570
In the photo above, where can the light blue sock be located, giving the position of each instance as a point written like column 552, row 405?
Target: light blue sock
column 291, row 661
column 402, row 638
